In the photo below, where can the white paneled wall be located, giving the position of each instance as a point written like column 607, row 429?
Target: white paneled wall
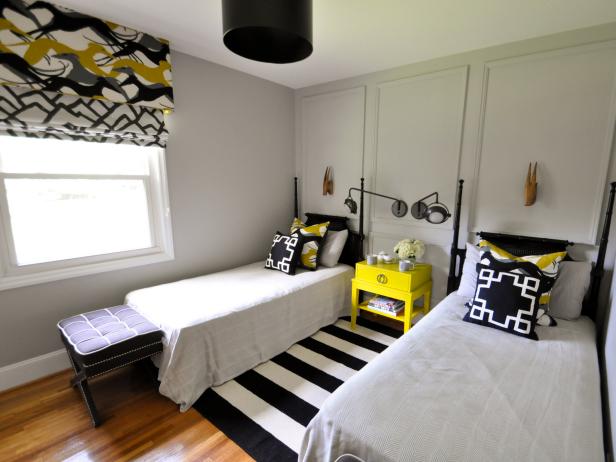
column 419, row 132
column 556, row 109
column 332, row 134
column 481, row 116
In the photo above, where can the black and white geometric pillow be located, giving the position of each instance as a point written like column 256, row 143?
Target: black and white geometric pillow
column 284, row 254
column 528, row 269
column 506, row 301
column 548, row 264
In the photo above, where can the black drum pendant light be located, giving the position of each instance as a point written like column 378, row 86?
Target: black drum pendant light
column 271, row 31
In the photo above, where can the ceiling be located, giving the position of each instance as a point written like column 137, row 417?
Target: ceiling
column 353, row 37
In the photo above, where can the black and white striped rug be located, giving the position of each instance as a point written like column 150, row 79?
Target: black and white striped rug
column 266, row 409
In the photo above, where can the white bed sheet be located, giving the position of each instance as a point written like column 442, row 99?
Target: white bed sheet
column 454, row 391
column 220, row 325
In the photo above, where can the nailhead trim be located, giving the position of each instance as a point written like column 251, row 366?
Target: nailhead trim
column 122, row 365
column 122, row 354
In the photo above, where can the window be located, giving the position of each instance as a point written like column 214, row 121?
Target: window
column 70, row 208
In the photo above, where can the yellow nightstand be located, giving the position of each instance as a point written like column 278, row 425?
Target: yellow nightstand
column 385, row 279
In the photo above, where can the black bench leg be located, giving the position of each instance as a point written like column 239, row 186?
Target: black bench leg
column 81, row 381
column 87, row 397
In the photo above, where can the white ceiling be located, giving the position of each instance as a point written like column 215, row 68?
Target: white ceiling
column 353, row 37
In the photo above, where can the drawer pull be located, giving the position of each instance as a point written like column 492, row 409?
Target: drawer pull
column 382, row 279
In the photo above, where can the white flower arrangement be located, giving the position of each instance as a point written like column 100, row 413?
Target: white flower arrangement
column 410, row 248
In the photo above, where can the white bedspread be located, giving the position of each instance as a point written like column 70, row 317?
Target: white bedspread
column 223, row 324
column 453, row 391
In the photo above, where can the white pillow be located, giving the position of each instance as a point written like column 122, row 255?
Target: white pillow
column 468, row 281
column 332, row 249
column 569, row 289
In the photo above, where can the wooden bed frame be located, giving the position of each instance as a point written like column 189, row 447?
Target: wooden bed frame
column 526, row 245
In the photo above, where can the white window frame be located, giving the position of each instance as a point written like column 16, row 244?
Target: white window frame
column 13, row 275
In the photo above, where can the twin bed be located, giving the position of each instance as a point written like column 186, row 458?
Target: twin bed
column 454, row 391
column 220, row 325
column 447, row 390
column 223, row 324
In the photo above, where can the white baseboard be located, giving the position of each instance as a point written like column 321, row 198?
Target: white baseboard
column 31, row 369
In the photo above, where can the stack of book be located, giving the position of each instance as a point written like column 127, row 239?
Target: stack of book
column 386, row 305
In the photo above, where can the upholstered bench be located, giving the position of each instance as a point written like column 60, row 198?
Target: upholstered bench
column 103, row 340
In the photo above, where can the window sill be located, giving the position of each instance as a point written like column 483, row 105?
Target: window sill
column 24, row 280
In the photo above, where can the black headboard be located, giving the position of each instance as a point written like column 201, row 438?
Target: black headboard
column 527, row 245
column 353, row 249
column 351, row 253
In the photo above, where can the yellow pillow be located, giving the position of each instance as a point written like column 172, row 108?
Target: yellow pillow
column 313, row 236
column 547, row 263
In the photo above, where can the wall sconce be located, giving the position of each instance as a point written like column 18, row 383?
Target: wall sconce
column 399, row 208
column 434, row 212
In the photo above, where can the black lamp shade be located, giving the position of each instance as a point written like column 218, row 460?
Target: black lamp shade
column 271, row 31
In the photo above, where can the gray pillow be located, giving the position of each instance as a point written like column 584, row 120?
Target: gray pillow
column 468, row 281
column 333, row 247
column 569, row 289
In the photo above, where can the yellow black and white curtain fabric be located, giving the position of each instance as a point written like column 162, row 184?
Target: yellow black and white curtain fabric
column 40, row 114
column 51, row 48
column 67, row 75
column 313, row 236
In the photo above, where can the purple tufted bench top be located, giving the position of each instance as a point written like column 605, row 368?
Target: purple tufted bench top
column 104, row 340
column 93, row 332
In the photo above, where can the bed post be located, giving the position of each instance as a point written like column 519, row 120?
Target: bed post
column 453, row 260
column 296, row 203
column 361, row 221
column 597, row 271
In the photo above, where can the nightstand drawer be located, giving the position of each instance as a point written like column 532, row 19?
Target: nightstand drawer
column 387, row 275
column 383, row 277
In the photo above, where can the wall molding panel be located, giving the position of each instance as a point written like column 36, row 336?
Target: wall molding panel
column 419, row 127
column 547, row 108
column 332, row 134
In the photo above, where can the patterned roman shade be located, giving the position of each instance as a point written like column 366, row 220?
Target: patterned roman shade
column 67, row 75
column 51, row 48
column 40, row 114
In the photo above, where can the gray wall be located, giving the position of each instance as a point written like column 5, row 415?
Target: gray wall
column 230, row 165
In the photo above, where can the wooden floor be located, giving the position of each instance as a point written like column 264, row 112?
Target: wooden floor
column 47, row 421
